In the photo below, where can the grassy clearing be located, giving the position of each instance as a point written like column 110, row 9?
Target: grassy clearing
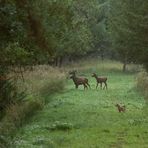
column 89, row 119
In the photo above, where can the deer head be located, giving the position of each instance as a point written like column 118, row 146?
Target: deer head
column 72, row 72
column 93, row 75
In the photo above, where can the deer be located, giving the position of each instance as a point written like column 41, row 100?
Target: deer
column 120, row 108
column 100, row 80
column 79, row 80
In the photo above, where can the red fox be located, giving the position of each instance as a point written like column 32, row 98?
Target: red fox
column 120, row 108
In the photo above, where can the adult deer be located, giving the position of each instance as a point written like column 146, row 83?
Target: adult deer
column 79, row 80
column 100, row 80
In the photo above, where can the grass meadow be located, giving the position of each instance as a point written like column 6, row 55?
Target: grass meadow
column 88, row 118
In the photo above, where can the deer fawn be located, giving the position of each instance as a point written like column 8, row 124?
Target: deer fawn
column 100, row 80
column 79, row 80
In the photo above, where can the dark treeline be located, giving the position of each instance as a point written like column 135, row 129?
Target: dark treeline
column 35, row 32
column 128, row 28
column 38, row 32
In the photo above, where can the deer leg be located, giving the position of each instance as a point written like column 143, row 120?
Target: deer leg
column 97, row 86
column 85, row 86
column 88, row 84
column 101, row 85
column 105, row 86
column 76, row 86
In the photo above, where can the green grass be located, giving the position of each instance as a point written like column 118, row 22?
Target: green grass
column 89, row 119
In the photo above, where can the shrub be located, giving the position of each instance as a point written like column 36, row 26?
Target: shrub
column 9, row 94
column 60, row 126
column 52, row 87
column 142, row 84
column 43, row 141
column 17, row 114
column 3, row 142
column 43, row 81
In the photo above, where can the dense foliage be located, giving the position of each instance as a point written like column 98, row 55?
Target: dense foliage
column 128, row 29
column 44, row 30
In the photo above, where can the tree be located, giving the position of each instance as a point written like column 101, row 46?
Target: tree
column 94, row 14
column 128, row 29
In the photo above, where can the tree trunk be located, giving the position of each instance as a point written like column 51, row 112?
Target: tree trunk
column 60, row 61
column 35, row 26
column 124, row 66
column 102, row 56
column 56, row 62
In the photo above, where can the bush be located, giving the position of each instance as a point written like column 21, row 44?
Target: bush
column 52, row 87
column 39, row 141
column 142, row 84
column 60, row 126
column 9, row 94
column 17, row 114
column 3, row 142
column 43, row 81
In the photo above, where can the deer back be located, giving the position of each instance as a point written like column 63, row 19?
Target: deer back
column 102, row 79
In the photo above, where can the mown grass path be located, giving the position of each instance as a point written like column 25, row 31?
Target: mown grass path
column 89, row 119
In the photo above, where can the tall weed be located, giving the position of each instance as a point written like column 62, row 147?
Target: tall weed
column 43, row 80
column 142, row 84
column 101, row 66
